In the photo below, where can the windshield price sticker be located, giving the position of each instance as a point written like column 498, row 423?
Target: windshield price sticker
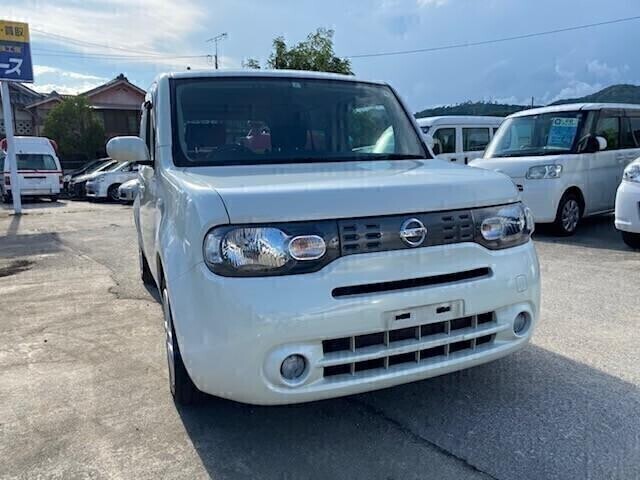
column 15, row 52
column 562, row 132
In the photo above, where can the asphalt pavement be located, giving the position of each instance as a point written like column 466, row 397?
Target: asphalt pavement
column 83, row 379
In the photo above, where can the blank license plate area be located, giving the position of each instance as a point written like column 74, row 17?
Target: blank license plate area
column 438, row 312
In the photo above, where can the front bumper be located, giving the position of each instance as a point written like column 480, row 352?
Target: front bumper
column 627, row 214
column 95, row 190
column 234, row 333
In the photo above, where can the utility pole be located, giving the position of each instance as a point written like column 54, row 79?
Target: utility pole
column 215, row 41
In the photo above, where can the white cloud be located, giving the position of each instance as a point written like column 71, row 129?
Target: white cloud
column 155, row 29
column 577, row 88
column 603, row 70
column 431, row 3
column 48, row 78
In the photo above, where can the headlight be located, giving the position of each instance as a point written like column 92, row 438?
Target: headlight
column 540, row 172
column 270, row 250
column 632, row 173
column 502, row 227
column 66, row 178
column 99, row 179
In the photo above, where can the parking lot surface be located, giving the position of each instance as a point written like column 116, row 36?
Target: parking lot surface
column 84, row 394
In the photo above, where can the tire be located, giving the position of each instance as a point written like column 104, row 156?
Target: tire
column 112, row 193
column 569, row 214
column 631, row 239
column 145, row 271
column 182, row 388
column 54, row 198
column 6, row 198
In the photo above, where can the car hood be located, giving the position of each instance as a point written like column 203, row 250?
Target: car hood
column 272, row 193
column 515, row 167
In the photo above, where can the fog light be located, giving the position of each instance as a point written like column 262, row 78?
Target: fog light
column 521, row 323
column 293, row 367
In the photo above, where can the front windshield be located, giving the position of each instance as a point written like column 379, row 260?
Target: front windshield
column 275, row 120
column 543, row 134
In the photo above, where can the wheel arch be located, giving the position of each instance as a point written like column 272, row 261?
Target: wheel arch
column 578, row 193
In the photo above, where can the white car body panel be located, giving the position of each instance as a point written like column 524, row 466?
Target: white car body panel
column 234, row 332
column 627, row 212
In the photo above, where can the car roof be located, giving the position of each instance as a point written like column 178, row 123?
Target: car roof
column 266, row 74
column 459, row 120
column 572, row 107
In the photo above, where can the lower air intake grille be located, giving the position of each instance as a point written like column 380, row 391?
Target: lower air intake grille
column 432, row 342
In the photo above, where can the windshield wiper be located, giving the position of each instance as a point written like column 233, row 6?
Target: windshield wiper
column 390, row 156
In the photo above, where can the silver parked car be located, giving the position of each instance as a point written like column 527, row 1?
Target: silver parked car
column 128, row 190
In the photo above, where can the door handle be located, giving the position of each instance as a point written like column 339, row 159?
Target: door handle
column 453, row 159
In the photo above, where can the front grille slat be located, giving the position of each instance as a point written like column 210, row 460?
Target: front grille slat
column 409, row 346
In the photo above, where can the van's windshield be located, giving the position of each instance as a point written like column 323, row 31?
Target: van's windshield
column 532, row 135
column 275, row 120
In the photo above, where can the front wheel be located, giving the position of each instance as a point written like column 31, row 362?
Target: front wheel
column 569, row 214
column 53, row 198
column 112, row 193
column 631, row 239
column 182, row 387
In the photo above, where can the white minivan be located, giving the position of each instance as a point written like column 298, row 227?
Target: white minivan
column 459, row 138
column 567, row 160
column 313, row 264
column 39, row 171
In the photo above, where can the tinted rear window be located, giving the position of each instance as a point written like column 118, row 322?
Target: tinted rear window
column 35, row 161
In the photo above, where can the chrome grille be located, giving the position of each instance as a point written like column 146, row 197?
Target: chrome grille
column 375, row 234
column 374, row 353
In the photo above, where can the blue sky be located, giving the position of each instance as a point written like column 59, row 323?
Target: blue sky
column 547, row 68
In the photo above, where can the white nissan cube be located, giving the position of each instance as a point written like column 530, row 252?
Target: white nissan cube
column 307, row 247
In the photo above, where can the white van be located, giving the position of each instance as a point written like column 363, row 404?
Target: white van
column 39, row 171
column 567, row 160
column 311, row 264
column 461, row 138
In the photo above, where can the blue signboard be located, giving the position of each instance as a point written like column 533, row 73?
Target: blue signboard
column 15, row 52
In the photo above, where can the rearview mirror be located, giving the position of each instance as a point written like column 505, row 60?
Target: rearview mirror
column 602, row 143
column 129, row 149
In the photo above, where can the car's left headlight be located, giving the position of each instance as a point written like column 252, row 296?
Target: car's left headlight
column 540, row 172
column 504, row 226
column 632, row 173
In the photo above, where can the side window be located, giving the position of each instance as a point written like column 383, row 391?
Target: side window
column 609, row 128
column 626, row 138
column 635, row 128
column 444, row 141
column 475, row 139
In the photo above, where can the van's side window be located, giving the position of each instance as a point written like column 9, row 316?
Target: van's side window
column 609, row 128
column 635, row 128
column 444, row 140
column 626, row 139
column 475, row 139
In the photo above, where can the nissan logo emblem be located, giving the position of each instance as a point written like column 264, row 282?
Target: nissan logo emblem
column 413, row 232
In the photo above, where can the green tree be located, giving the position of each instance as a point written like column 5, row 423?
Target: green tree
column 75, row 128
column 315, row 53
column 251, row 63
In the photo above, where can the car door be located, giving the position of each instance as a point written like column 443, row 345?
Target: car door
column 474, row 141
column 605, row 166
column 147, row 193
column 445, row 140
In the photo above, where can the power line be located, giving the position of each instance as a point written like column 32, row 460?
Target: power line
column 58, row 53
column 496, row 40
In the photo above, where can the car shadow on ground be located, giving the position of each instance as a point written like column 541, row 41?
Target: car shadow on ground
column 593, row 232
column 535, row 414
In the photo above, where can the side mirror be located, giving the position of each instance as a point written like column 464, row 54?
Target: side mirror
column 129, row 149
column 592, row 144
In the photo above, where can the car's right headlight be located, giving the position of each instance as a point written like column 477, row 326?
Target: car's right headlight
column 255, row 251
column 540, row 172
column 632, row 173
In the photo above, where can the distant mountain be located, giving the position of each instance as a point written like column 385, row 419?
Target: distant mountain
column 612, row 94
column 473, row 108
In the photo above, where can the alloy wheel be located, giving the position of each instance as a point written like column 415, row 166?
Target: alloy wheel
column 570, row 215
